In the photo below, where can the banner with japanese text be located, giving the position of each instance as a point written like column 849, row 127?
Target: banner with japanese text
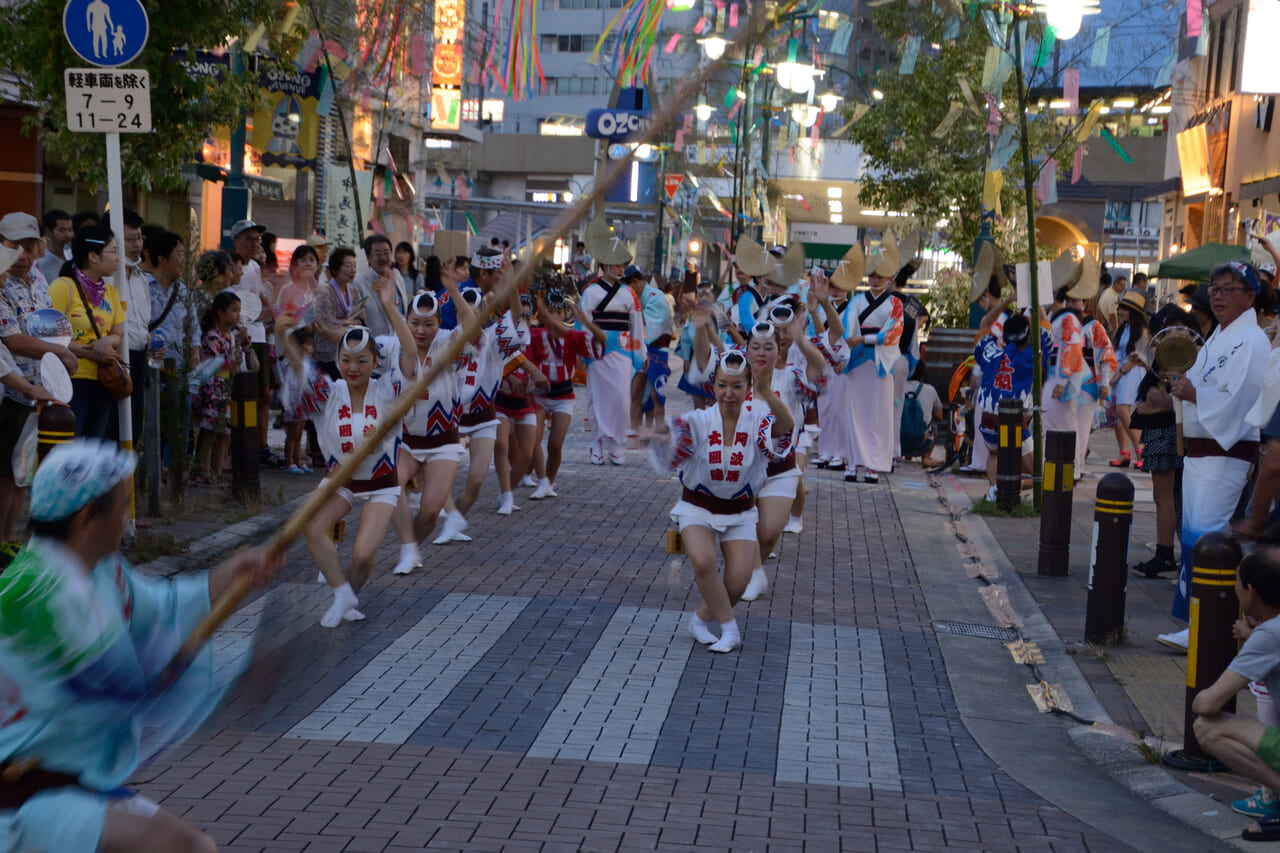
column 341, row 224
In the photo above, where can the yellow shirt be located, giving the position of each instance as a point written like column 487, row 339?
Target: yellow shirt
column 65, row 297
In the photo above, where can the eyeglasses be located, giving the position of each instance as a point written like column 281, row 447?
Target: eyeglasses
column 1219, row 289
column 110, row 250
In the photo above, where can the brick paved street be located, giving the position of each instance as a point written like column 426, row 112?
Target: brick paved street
column 535, row 689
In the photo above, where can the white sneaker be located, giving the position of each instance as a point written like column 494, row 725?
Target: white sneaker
column 991, row 493
column 454, row 524
column 794, row 525
column 757, row 586
column 1178, row 640
column 507, row 503
column 410, row 559
column 544, row 490
column 528, row 480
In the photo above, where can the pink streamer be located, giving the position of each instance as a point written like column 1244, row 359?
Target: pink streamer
column 1048, row 177
column 418, row 55
column 379, row 193
column 737, row 105
column 1071, row 90
column 813, row 133
column 679, row 141
column 336, row 51
column 993, row 116
column 733, row 16
column 700, row 26
column 1077, row 164
column 1194, row 14
column 688, row 122
column 758, row 56
column 671, row 43
column 462, row 187
column 377, row 227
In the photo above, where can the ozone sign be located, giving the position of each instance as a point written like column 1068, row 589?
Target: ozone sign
column 616, row 125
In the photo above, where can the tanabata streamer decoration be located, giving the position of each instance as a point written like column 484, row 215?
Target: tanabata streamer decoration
column 518, row 60
column 637, row 25
column 383, row 53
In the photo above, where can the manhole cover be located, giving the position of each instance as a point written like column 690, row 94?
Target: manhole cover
column 971, row 629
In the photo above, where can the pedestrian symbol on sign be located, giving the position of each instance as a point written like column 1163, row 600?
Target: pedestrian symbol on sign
column 106, row 32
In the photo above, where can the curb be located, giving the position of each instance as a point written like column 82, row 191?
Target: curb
column 1106, row 746
column 210, row 548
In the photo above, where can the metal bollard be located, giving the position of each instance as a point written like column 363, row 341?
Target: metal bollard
column 1055, row 510
column 1009, row 456
column 244, row 436
column 56, row 424
column 1214, row 608
column 1108, row 564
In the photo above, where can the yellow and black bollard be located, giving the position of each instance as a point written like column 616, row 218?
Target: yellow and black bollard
column 56, row 424
column 1009, row 454
column 1210, row 647
column 1055, row 509
column 244, row 436
column 1108, row 565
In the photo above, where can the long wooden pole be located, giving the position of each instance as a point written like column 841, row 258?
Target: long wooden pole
column 293, row 527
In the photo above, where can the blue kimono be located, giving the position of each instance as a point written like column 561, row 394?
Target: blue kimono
column 78, row 652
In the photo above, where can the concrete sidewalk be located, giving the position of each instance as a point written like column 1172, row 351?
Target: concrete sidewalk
column 1139, row 684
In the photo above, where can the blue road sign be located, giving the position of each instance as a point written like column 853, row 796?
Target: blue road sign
column 107, row 33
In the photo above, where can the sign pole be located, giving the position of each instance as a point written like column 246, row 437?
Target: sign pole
column 115, row 202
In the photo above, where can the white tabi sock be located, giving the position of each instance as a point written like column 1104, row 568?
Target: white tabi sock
column 344, row 599
column 730, row 639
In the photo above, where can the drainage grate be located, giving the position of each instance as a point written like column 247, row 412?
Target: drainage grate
column 970, row 629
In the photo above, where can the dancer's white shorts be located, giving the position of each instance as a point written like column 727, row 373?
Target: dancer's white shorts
column 389, row 496
column 555, row 405
column 738, row 526
column 444, row 453
column 488, row 429
column 781, row 485
column 527, row 419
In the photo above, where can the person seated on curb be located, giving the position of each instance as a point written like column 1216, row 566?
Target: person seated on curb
column 1249, row 747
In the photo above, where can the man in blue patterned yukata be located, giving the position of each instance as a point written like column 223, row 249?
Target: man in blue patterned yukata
column 82, row 638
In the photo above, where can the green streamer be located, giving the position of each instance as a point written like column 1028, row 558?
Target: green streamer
column 1046, row 47
column 1117, row 147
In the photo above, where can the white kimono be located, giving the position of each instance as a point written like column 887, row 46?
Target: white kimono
column 1227, row 376
column 865, row 428
column 609, row 372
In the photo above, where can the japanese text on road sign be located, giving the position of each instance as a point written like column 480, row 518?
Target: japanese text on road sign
column 108, row 101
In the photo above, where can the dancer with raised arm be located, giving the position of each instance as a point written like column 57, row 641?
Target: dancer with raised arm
column 346, row 410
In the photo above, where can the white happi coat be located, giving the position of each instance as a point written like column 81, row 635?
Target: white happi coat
column 726, row 467
column 438, row 409
column 339, row 428
column 479, row 376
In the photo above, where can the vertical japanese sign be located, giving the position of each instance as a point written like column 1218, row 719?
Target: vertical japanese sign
column 341, row 225
column 446, row 65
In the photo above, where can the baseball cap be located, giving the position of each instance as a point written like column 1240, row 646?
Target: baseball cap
column 246, row 225
column 19, row 226
column 75, row 474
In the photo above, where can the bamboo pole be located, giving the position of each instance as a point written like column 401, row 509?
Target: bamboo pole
column 293, row 527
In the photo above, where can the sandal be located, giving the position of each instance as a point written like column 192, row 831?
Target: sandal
column 1123, row 461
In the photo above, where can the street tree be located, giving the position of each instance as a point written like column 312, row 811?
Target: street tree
column 939, row 178
column 184, row 105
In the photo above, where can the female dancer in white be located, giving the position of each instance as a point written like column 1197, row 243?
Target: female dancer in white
column 721, row 453
column 431, row 443
column 478, row 382
column 795, row 386
column 347, row 410
column 555, row 348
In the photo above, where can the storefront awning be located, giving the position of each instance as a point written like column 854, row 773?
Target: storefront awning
column 825, row 251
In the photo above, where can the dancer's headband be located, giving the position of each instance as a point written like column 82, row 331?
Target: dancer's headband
column 472, row 296
column 733, row 363
column 763, row 330
column 485, row 261
column 356, row 339
column 782, row 314
column 425, row 305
